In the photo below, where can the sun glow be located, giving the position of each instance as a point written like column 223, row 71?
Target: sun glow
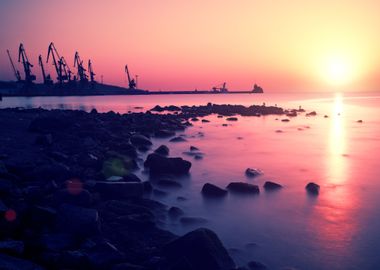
column 338, row 71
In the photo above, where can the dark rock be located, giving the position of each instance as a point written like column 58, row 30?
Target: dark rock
column 252, row 172
column 78, row 220
column 50, row 124
column 193, row 148
column 231, row 118
column 210, row 190
column 120, row 190
column 162, row 150
column 12, row 263
column 198, row 250
column 313, row 113
column 192, row 220
column 140, row 140
column 285, row 120
column 11, row 247
column 159, row 193
column 74, row 196
column 147, row 186
column 103, row 256
column 131, row 177
column 254, row 265
column 198, row 157
column 224, row 125
column 175, row 212
column 128, row 266
column 161, row 165
column 56, row 241
column 178, row 139
column 268, row 185
column 163, row 133
column 244, row 188
column 205, row 121
column 194, row 119
column 360, row 121
column 44, row 140
column 312, row 188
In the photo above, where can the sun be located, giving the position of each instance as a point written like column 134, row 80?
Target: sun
column 338, row 70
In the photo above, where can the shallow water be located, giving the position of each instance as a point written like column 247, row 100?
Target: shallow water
column 339, row 229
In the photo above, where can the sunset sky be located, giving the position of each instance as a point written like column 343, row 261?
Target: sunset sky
column 283, row 45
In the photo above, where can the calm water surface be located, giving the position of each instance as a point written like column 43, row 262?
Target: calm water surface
column 339, row 229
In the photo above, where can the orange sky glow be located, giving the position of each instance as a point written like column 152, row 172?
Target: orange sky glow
column 292, row 45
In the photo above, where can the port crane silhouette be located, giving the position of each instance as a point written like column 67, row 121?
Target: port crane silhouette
column 91, row 71
column 81, row 70
column 15, row 71
column 22, row 57
column 61, row 67
column 47, row 78
column 131, row 82
column 221, row 88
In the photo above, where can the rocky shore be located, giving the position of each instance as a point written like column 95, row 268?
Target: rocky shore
column 69, row 198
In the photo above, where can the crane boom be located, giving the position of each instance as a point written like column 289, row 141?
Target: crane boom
column 47, row 78
column 15, row 71
column 29, row 77
column 58, row 63
column 90, row 70
column 131, row 82
column 81, row 70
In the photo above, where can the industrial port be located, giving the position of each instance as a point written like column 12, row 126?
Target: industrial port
column 80, row 80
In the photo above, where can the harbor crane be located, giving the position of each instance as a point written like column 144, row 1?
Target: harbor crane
column 15, row 71
column 29, row 77
column 47, row 78
column 81, row 70
column 131, row 82
column 91, row 71
column 61, row 68
column 220, row 88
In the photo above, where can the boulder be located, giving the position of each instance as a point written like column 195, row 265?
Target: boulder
column 119, row 189
column 178, row 139
column 243, row 188
column 56, row 241
column 210, row 190
column 162, row 150
column 11, row 247
column 200, row 249
column 77, row 220
column 268, row 185
column 162, row 165
column 175, row 212
column 193, row 148
column 103, row 256
column 50, row 124
column 231, row 118
column 252, row 172
column 140, row 140
column 312, row 188
column 12, row 263
column 164, row 133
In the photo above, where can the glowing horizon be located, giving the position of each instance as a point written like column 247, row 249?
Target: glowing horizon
column 174, row 45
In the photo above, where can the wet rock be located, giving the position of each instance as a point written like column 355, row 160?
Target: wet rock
column 131, row 177
column 192, row 220
column 205, row 121
column 198, row 157
column 11, row 247
column 193, row 148
column 252, row 172
column 50, row 124
column 119, row 190
column 194, row 119
column 12, row 263
column 78, row 220
column 162, row 165
column 359, row 121
column 159, row 193
column 115, row 178
column 231, row 118
column 210, row 190
column 312, row 188
column 199, row 249
column 254, row 265
column 140, row 140
column 224, row 125
column 175, row 212
column 162, row 150
column 163, row 133
column 74, row 196
column 243, row 188
column 103, row 256
column 147, row 186
column 313, row 113
column 326, row 116
column 44, row 140
column 285, row 120
column 56, row 241
column 178, row 139
column 268, row 185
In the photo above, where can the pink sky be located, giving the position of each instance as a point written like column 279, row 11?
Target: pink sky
column 182, row 45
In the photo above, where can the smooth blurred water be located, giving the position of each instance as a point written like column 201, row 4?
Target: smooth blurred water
column 339, row 229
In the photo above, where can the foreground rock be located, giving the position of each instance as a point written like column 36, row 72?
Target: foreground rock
column 243, row 188
column 269, row 186
column 312, row 188
column 162, row 165
column 198, row 250
column 210, row 190
column 252, row 172
column 12, row 263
